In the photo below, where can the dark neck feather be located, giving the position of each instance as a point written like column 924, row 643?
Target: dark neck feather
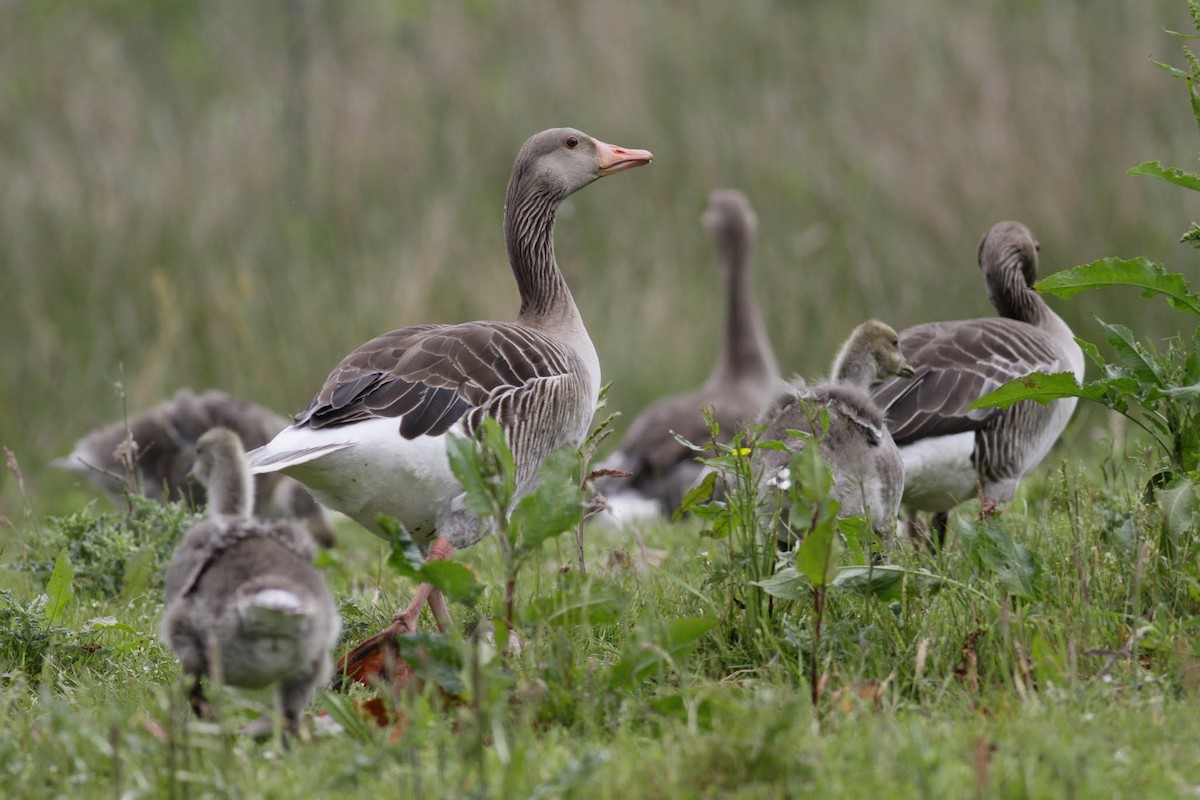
column 529, row 236
column 1011, row 296
column 745, row 351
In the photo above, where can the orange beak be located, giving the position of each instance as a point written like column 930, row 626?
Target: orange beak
column 615, row 159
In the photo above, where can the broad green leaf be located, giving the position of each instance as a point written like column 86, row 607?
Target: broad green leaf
column 485, row 467
column 1040, row 387
column 991, row 546
column 886, row 582
column 818, row 551
column 787, row 584
column 1178, row 503
column 406, row 558
column 699, row 494
column 1179, row 177
column 1151, row 278
column 454, row 580
column 554, row 506
column 659, row 648
column 139, row 573
column 1091, row 351
column 1132, row 354
column 435, row 658
column 58, row 589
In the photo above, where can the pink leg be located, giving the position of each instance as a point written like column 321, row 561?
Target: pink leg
column 368, row 659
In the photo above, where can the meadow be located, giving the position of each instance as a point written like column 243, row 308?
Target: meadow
column 235, row 195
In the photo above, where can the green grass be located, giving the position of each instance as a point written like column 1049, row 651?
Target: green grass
column 1058, row 659
column 237, row 194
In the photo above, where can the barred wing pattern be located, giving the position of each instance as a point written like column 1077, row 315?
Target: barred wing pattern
column 428, row 377
column 956, row 363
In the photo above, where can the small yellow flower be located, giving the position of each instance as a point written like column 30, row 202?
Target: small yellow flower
column 741, row 452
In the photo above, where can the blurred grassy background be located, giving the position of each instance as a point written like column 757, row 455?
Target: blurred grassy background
column 237, row 194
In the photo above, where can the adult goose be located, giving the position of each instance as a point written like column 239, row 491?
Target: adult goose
column 739, row 388
column 153, row 453
column 244, row 595
column 868, row 473
column 373, row 440
column 952, row 453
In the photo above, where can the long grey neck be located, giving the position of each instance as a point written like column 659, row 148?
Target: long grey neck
column 546, row 301
column 231, row 490
column 746, row 351
column 1011, row 296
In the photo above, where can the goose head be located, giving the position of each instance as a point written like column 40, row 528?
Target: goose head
column 730, row 221
column 220, row 466
column 560, row 161
column 871, row 354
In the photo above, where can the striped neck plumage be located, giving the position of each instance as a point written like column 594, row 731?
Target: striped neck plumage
column 1010, row 292
column 529, row 236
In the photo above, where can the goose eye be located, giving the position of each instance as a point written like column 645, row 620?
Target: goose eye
column 572, row 142
column 895, row 342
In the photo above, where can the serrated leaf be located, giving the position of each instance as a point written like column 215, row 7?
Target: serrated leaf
column 1167, row 68
column 59, row 590
column 885, row 582
column 786, row 584
column 1040, row 387
column 1188, row 180
column 485, row 467
column 1151, row 278
column 1132, row 354
column 699, row 494
column 553, row 507
column 1091, row 351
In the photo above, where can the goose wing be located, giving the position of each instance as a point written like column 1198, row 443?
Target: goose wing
column 428, row 377
column 956, row 363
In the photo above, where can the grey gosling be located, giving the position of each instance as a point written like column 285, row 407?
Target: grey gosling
column 951, row 453
column 154, row 452
column 739, row 388
column 243, row 600
column 868, row 473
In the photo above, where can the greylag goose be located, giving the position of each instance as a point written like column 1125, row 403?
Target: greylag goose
column 244, row 593
column 164, row 447
column 739, row 388
column 373, row 440
column 868, row 473
column 952, row 453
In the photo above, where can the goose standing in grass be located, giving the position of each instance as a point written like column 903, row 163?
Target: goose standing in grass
column 952, row 453
column 868, row 473
column 739, row 388
column 373, row 440
column 154, row 451
column 243, row 595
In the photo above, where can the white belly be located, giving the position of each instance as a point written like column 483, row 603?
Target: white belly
column 938, row 474
column 381, row 473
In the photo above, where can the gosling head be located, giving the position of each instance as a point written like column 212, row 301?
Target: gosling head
column 871, row 354
column 220, row 466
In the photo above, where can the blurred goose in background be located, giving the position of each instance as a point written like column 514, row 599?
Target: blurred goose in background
column 243, row 596
column 373, row 440
column 951, row 453
column 739, row 388
column 160, row 456
column 868, row 473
